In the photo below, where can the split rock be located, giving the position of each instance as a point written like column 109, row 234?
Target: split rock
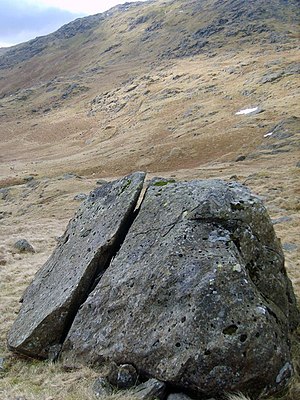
column 150, row 390
column 196, row 297
column 59, row 288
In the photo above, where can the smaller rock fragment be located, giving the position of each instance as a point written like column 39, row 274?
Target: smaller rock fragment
column 240, row 158
column 178, row 396
column 4, row 192
column 123, row 376
column 102, row 387
column 280, row 220
column 101, row 182
column 2, row 260
column 181, row 396
column 80, row 197
column 150, row 390
column 289, row 246
column 2, row 364
column 271, row 77
column 28, row 178
column 54, row 352
column 23, row 246
column 69, row 175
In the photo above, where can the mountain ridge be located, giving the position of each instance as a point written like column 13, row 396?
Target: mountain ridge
column 129, row 71
column 230, row 17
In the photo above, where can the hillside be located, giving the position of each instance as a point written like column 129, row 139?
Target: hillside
column 153, row 86
column 163, row 76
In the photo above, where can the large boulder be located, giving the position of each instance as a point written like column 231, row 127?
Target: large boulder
column 197, row 296
column 92, row 238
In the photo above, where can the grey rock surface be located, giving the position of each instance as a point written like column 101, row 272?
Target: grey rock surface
column 280, row 220
column 63, row 283
column 80, row 197
column 151, row 390
column 289, row 246
column 123, row 376
column 4, row 193
column 2, row 364
column 179, row 396
column 102, row 387
column 197, row 296
column 23, row 246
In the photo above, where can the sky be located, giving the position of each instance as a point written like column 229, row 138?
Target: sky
column 22, row 20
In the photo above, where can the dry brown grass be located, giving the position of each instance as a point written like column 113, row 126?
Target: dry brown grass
column 237, row 396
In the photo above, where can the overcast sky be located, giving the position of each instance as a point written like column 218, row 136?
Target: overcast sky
column 22, row 20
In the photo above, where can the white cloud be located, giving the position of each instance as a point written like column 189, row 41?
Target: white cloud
column 5, row 44
column 79, row 7
column 22, row 20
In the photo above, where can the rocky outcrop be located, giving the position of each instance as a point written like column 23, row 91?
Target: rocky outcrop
column 84, row 252
column 25, row 51
column 150, row 390
column 198, row 27
column 23, row 246
column 196, row 297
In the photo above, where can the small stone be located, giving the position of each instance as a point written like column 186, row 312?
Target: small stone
column 271, row 77
column 289, row 246
column 69, row 176
column 281, row 220
column 123, row 376
column 2, row 364
column 179, row 396
column 240, row 158
column 102, row 387
column 80, row 197
column 4, row 192
column 101, row 182
column 33, row 184
column 298, row 164
column 28, row 178
column 2, row 260
column 23, row 246
column 54, row 352
column 150, row 390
